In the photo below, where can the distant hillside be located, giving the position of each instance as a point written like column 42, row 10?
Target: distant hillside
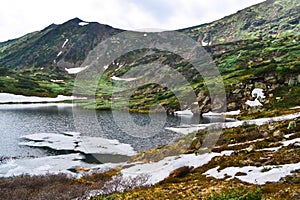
column 255, row 47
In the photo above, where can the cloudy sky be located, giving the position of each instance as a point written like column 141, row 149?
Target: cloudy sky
column 18, row 17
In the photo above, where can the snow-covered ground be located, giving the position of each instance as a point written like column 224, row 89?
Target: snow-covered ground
column 83, row 23
column 196, row 127
column 184, row 112
column 258, row 93
column 12, row 98
column 75, row 70
column 255, row 175
column 160, row 170
column 65, row 42
column 235, row 112
column 41, row 166
column 122, row 79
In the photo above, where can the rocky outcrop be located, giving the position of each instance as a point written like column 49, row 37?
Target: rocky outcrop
column 238, row 94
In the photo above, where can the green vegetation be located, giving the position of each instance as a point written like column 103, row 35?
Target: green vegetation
column 237, row 194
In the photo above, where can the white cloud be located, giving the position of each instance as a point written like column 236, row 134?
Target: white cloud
column 18, row 17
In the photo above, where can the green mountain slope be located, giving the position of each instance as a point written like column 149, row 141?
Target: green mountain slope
column 257, row 47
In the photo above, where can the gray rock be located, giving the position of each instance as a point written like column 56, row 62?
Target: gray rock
column 298, row 79
column 292, row 125
column 265, row 134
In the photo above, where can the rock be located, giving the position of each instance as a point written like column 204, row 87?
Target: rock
column 292, row 125
column 298, row 79
column 241, row 174
column 271, row 128
column 83, row 169
column 278, row 133
column 250, row 148
column 265, row 134
column 180, row 172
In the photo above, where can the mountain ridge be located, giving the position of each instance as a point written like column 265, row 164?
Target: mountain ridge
column 254, row 43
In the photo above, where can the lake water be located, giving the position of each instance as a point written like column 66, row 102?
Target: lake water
column 17, row 120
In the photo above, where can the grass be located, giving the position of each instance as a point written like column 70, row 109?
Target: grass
column 237, row 194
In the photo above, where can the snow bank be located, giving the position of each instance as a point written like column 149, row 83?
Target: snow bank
column 64, row 44
column 196, row 127
column 258, row 93
column 83, row 23
column 184, row 112
column 75, row 70
column 122, row 79
column 255, row 175
column 59, row 54
column 160, row 170
column 235, row 112
column 41, row 166
column 12, row 98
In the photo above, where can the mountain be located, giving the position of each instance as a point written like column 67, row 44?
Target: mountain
column 257, row 47
column 70, row 42
column 269, row 19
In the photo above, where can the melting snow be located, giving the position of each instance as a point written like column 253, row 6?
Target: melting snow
column 59, row 54
column 236, row 112
column 184, row 112
column 253, row 103
column 83, row 23
column 255, row 175
column 75, row 142
column 41, row 166
column 105, row 67
column 161, row 169
column 258, row 93
column 122, row 79
column 12, row 98
column 56, row 81
column 196, row 127
column 64, row 44
column 75, row 70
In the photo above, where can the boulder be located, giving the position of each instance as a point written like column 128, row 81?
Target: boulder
column 181, row 172
column 292, row 125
